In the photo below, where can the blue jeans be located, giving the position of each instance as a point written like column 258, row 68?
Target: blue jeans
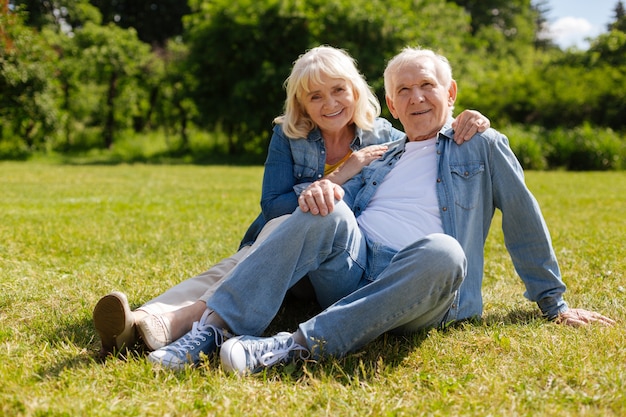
column 364, row 288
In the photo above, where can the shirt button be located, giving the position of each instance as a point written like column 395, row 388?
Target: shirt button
column 319, row 175
column 466, row 174
column 438, row 179
column 444, row 208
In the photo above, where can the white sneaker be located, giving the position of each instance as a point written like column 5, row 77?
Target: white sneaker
column 203, row 338
column 248, row 354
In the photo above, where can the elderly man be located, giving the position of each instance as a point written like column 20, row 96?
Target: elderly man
column 407, row 234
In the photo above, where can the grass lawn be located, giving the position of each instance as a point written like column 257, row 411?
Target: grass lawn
column 70, row 234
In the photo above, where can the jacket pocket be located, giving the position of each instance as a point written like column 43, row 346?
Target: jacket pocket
column 304, row 173
column 466, row 182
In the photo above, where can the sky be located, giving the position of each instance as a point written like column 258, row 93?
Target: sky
column 571, row 21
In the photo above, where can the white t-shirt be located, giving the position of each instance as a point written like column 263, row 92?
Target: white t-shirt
column 404, row 208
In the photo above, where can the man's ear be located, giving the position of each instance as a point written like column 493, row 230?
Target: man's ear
column 452, row 93
column 391, row 107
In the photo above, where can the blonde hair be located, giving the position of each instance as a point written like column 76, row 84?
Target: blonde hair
column 410, row 55
column 309, row 68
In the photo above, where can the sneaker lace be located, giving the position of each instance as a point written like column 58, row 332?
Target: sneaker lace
column 199, row 333
column 268, row 353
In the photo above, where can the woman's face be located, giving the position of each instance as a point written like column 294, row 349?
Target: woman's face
column 330, row 104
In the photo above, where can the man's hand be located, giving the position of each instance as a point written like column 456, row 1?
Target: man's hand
column 319, row 197
column 579, row 317
column 467, row 124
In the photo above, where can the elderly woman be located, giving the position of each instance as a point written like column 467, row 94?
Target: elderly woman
column 330, row 129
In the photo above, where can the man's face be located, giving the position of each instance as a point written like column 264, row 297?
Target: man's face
column 419, row 100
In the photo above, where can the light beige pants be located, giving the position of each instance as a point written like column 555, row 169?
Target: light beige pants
column 201, row 287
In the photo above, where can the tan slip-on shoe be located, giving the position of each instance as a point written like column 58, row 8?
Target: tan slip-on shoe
column 155, row 330
column 114, row 323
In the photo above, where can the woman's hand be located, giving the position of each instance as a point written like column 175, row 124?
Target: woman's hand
column 355, row 163
column 363, row 157
column 467, row 124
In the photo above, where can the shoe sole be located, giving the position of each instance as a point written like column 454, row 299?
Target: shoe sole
column 174, row 365
column 113, row 321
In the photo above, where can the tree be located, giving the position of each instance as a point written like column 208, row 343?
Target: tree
column 620, row 18
column 27, row 91
column 542, row 38
column 154, row 21
column 241, row 53
column 175, row 107
column 111, row 56
column 239, row 56
column 64, row 15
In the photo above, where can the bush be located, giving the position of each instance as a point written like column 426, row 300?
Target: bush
column 13, row 149
column 585, row 148
column 526, row 143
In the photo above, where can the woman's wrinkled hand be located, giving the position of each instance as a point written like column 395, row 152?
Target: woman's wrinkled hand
column 467, row 124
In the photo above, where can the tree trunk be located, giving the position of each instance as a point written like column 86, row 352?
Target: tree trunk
column 109, row 126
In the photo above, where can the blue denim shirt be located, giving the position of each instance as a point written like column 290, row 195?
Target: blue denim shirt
column 473, row 180
column 292, row 164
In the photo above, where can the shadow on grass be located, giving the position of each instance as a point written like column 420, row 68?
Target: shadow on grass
column 517, row 316
column 386, row 352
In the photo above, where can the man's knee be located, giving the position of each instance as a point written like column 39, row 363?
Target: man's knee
column 448, row 247
column 340, row 214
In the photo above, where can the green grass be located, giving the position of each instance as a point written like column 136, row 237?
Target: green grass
column 70, row 234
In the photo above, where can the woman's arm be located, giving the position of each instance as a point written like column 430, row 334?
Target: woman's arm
column 355, row 163
column 277, row 195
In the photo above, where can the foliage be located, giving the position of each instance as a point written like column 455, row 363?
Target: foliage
column 583, row 148
column 62, row 14
column 240, row 55
column 71, row 233
column 619, row 19
column 586, row 148
column 249, row 47
column 155, row 22
column 528, row 144
column 115, row 58
column 28, row 92
column 75, row 84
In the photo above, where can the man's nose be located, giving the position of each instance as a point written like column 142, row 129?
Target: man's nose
column 417, row 95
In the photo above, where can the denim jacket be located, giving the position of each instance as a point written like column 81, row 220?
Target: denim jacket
column 473, row 180
column 292, row 164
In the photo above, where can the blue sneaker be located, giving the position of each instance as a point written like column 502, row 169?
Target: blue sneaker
column 202, row 338
column 248, row 354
